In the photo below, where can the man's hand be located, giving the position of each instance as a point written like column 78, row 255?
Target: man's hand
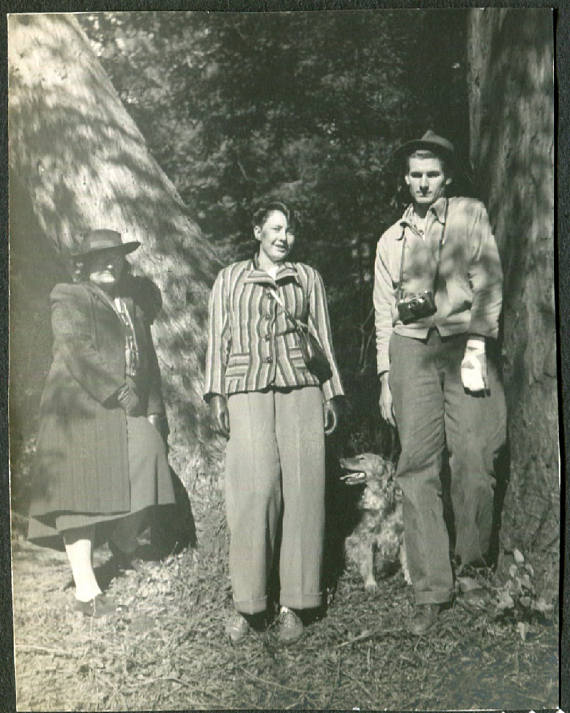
column 385, row 401
column 220, row 415
column 332, row 416
column 474, row 366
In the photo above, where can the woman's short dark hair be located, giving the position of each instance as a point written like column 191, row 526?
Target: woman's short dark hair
column 264, row 211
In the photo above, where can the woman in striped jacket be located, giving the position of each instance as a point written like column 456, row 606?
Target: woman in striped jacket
column 275, row 412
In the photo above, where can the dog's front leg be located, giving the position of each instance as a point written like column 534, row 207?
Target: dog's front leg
column 367, row 570
column 404, row 560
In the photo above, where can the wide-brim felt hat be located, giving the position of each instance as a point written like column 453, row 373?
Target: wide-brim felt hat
column 103, row 240
column 430, row 141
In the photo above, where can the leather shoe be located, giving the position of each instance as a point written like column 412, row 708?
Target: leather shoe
column 476, row 598
column 237, row 627
column 424, row 618
column 290, row 627
column 99, row 606
column 123, row 560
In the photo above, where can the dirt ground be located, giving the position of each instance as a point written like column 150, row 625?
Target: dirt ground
column 166, row 648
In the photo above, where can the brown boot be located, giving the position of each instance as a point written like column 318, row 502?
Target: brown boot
column 424, row 618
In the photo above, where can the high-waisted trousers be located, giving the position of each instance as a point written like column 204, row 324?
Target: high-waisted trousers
column 275, row 474
column 433, row 412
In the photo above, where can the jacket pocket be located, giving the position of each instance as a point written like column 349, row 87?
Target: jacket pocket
column 237, row 365
column 296, row 358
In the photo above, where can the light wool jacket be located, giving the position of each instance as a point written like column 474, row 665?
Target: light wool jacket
column 252, row 344
column 468, row 293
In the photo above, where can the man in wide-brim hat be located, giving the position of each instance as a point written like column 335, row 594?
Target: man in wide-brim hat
column 430, row 141
column 437, row 301
column 456, row 169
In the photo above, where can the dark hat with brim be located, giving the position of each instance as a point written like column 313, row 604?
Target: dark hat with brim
column 104, row 240
column 430, row 141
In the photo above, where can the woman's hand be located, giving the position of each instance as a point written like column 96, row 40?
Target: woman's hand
column 332, row 416
column 385, row 402
column 158, row 420
column 128, row 399
column 220, row 415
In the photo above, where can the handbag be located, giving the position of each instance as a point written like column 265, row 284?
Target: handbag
column 313, row 354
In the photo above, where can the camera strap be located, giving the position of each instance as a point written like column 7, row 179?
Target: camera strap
column 400, row 290
column 299, row 326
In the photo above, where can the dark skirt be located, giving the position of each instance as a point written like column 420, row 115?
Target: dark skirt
column 150, row 485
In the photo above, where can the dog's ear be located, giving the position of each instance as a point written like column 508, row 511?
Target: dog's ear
column 375, row 464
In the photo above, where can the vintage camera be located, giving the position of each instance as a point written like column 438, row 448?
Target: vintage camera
column 416, row 307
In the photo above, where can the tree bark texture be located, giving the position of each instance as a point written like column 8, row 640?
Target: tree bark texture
column 511, row 86
column 77, row 161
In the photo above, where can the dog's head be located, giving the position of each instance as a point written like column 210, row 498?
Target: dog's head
column 376, row 473
column 365, row 468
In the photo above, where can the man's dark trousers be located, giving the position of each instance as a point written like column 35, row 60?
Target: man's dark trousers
column 433, row 411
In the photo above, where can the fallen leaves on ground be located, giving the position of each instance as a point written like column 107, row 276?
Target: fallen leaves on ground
column 166, row 648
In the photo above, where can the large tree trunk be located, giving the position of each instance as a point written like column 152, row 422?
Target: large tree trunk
column 77, row 161
column 512, row 149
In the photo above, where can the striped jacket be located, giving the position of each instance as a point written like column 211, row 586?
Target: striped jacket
column 252, row 344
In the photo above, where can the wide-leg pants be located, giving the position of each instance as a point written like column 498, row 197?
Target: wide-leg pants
column 433, row 411
column 275, row 471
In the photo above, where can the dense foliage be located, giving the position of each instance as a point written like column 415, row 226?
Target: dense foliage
column 304, row 106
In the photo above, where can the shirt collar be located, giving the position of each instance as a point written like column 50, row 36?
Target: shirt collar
column 286, row 271
column 439, row 209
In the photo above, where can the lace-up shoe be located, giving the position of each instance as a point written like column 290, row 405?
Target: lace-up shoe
column 289, row 626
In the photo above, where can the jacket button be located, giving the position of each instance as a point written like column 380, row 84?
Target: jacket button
column 268, row 360
column 267, row 337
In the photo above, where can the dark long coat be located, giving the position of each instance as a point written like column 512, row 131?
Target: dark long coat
column 81, row 462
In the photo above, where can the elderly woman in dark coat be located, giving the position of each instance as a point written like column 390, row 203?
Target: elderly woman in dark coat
column 101, row 459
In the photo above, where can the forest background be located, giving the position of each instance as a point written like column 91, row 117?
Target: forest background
column 238, row 108
column 208, row 114
column 307, row 107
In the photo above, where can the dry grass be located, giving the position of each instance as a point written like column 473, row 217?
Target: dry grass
column 167, row 650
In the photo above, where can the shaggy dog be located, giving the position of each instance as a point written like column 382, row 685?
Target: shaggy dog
column 377, row 542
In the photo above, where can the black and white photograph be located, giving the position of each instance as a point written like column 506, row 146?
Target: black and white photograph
column 284, row 376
